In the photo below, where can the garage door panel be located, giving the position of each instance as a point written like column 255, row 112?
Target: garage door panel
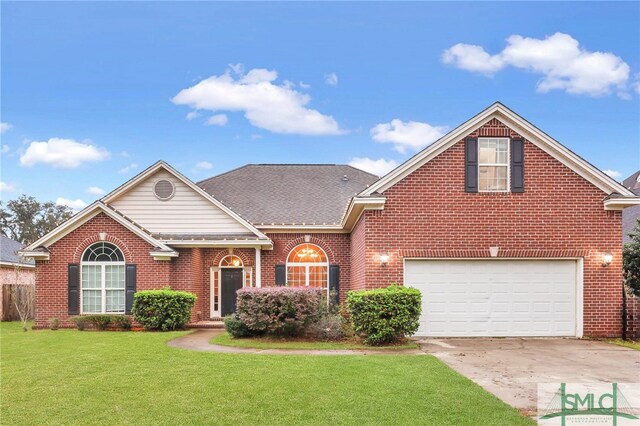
column 495, row 297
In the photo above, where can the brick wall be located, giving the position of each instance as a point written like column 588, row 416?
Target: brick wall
column 51, row 281
column 560, row 214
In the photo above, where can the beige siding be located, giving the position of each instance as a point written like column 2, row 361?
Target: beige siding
column 186, row 212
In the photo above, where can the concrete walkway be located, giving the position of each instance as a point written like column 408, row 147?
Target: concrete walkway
column 511, row 368
column 199, row 341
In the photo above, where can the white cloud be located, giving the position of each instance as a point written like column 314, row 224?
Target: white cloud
column 613, row 173
column 203, row 165
column 193, row 114
column 217, row 120
column 4, row 127
column 304, row 85
column 74, row 204
column 267, row 105
column 127, row 169
column 7, row 187
column 94, row 190
column 237, row 68
column 256, row 136
column 5, row 149
column 559, row 59
column 62, row 153
column 378, row 167
column 409, row 135
column 331, row 79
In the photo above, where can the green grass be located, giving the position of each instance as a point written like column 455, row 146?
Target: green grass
column 633, row 344
column 272, row 343
column 131, row 378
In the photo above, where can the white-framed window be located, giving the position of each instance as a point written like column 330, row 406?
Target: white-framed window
column 103, row 280
column 493, row 164
column 308, row 266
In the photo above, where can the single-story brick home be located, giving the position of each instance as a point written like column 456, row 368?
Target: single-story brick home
column 505, row 231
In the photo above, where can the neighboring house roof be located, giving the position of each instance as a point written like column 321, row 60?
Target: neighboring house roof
column 9, row 253
column 531, row 133
column 630, row 215
column 266, row 194
column 632, row 183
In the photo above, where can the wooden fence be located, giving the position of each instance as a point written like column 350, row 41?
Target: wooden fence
column 9, row 311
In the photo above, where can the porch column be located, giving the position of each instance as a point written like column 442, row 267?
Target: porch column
column 258, row 268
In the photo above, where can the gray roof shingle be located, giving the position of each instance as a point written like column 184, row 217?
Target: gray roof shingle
column 289, row 193
column 9, row 251
column 630, row 215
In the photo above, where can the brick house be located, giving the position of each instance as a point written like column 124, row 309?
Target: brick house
column 505, row 231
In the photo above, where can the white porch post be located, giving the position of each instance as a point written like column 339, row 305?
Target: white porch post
column 258, row 268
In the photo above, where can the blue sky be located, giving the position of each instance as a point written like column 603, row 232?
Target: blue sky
column 93, row 93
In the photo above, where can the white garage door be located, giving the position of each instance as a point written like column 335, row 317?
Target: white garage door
column 495, row 297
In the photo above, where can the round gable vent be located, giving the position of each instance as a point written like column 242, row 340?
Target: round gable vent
column 163, row 189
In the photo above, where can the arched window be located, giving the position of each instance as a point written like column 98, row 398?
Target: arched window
column 231, row 261
column 307, row 266
column 103, row 282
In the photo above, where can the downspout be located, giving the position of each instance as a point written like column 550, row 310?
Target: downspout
column 624, row 312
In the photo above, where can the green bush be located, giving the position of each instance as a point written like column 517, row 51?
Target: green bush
column 385, row 315
column 121, row 321
column 330, row 327
column 162, row 309
column 236, row 327
column 101, row 322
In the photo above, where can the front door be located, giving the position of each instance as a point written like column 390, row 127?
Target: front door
column 231, row 282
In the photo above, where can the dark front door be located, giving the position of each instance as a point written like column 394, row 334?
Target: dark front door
column 231, row 282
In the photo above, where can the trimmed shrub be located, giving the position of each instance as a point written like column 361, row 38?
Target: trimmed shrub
column 121, row 321
column 162, row 309
column 80, row 322
column 385, row 315
column 236, row 327
column 330, row 327
column 54, row 323
column 101, row 322
column 282, row 311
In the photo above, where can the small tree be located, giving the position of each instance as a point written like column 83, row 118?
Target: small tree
column 631, row 261
column 22, row 295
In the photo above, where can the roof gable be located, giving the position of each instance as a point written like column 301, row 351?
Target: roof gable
column 84, row 216
column 190, row 210
column 517, row 124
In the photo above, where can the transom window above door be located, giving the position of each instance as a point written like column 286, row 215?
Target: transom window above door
column 103, row 280
column 308, row 266
column 493, row 164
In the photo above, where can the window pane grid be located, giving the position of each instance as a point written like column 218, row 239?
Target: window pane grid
column 493, row 165
column 103, row 279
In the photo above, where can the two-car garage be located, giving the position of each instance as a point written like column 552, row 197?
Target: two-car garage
column 497, row 297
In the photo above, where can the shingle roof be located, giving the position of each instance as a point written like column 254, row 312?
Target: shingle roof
column 289, row 193
column 9, row 251
column 630, row 215
column 633, row 183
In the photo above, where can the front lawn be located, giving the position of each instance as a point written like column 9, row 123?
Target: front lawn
column 275, row 343
column 114, row 378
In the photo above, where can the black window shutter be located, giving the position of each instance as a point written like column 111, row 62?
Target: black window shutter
column 281, row 274
column 517, row 165
column 73, row 289
column 334, row 283
column 471, row 164
column 130, row 287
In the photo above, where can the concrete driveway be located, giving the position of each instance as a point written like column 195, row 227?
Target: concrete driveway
column 511, row 368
